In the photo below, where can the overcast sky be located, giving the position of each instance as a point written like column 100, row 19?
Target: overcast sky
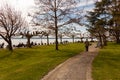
column 22, row 5
column 25, row 5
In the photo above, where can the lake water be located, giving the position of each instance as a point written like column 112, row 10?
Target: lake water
column 37, row 40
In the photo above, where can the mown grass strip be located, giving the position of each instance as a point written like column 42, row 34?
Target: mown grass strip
column 106, row 66
column 34, row 63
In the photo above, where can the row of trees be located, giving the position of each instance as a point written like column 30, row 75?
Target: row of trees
column 69, row 31
column 104, row 20
column 11, row 22
column 54, row 15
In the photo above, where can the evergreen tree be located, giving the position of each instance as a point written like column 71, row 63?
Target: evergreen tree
column 97, row 21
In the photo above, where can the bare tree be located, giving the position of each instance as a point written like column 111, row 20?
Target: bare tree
column 11, row 22
column 81, row 37
column 61, row 33
column 47, row 33
column 71, row 32
column 27, row 33
column 57, row 13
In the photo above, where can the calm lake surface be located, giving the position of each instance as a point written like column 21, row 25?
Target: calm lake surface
column 36, row 40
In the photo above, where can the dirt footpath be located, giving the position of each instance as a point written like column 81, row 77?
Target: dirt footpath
column 75, row 68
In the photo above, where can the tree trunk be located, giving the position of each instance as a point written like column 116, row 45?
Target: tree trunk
column 101, row 41
column 104, row 41
column 47, row 40
column 56, row 37
column 73, row 38
column 81, row 39
column 8, row 40
column 10, row 45
column 117, row 39
column 41, row 41
column 56, row 28
column 60, row 39
column 28, row 42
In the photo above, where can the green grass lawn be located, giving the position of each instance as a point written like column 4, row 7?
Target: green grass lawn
column 34, row 63
column 106, row 66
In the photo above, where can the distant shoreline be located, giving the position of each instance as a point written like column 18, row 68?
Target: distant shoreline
column 46, row 38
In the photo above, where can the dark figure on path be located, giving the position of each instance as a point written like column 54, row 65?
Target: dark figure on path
column 87, row 45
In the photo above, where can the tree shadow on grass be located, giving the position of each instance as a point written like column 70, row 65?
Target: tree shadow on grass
column 6, row 55
column 13, row 55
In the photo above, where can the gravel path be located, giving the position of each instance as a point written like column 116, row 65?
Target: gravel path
column 75, row 68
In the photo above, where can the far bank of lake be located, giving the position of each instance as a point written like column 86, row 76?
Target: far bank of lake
column 16, row 41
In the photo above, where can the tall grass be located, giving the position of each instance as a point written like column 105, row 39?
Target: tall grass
column 34, row 63
column 106, row 66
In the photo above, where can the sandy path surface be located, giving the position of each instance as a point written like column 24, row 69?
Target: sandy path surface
column 75, row 68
